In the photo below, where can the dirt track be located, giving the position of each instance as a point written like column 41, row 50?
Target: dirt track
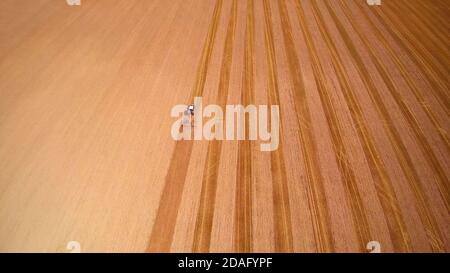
column 85, row 147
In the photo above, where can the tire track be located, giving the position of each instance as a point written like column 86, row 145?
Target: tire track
column 203, row 225
column 413, row 34
column 315, row 189
column 438, row 79
column 414, row 182
column 382, row 181
column 353, row 196
column 282, row 212
column 410, row 82
column 164, row 226
column 244, row 178
column 422, row 27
